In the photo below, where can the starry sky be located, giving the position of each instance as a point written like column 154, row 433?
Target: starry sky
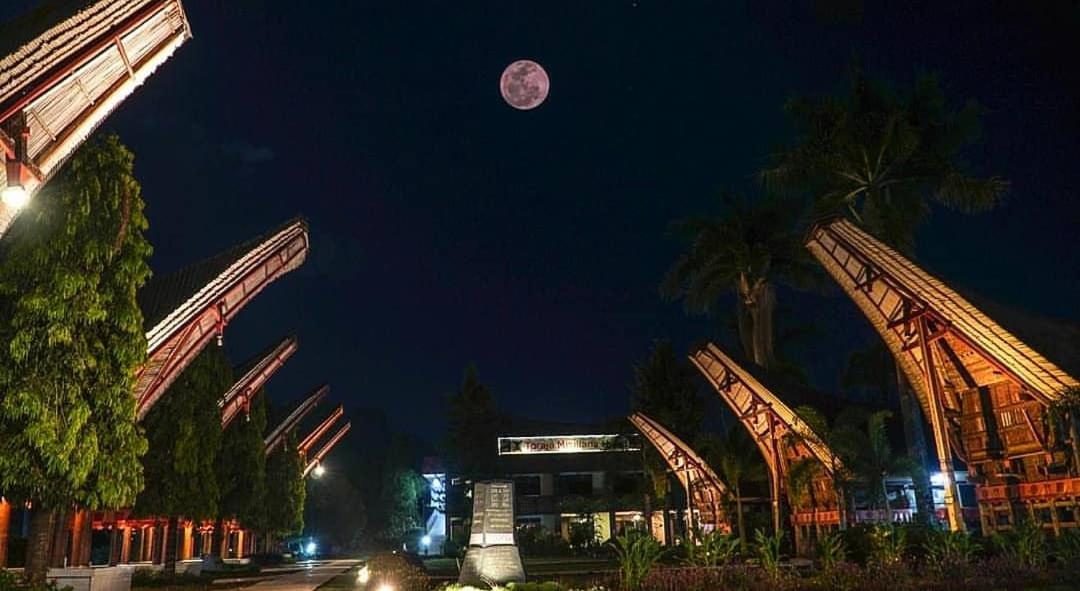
column 448, row 228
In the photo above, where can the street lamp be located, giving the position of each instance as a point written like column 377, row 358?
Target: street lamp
column 319, row 471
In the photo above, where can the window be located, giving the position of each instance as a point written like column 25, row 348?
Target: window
column 574, row 484
column 527, row 485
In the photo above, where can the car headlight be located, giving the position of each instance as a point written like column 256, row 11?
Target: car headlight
column 364, row 575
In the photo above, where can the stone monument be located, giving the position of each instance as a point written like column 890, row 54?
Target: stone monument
column 492, row 556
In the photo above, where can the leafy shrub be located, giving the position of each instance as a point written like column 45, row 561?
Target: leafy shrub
column 536, row 541
column 888, row 543
column 950, row 552
column 1025, row 545
column 9, row 581
column 768, row 552
column 710, row 549
column 545, row 586
column 395, row 570
column 831, row 551
column 1067, row 548
column 144, row 577
column 637, row 553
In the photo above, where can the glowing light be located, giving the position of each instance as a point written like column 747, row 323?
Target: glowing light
column 319, row 471
column 425, row 541
column 364, row 575
column 386, row 587
column 15, row 196
column 310, row 548
column 937, row 479
column 436, row 484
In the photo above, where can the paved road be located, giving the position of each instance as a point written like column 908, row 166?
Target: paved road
column 308, row 578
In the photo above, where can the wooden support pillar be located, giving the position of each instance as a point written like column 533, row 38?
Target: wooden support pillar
column 5, row 524
column 940, row 429
column 125, row 545
column 187, row 542
column 78, row 518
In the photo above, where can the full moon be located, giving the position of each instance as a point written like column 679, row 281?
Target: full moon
column 524, row 85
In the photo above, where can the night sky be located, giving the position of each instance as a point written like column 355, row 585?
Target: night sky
column 448, row 228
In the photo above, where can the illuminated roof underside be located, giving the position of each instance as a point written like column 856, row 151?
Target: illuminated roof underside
column 317, row 458
column 187, row 309
column 239, row 396
column 316, row 434
column 277, row 436
column 63, row 83
column 896, row 295
column 706, row 489
column 779, row 433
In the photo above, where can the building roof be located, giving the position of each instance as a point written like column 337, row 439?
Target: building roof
column 896, row 294
column 184, row 310
column 253, row 374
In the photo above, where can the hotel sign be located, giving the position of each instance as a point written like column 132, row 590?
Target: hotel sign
column 567, row 444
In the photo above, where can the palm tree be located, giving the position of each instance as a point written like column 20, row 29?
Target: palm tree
column 739, row 462
column 801, row 476
column 838, row 439
column 873, row 458
column 882, row 158
column 746, row 249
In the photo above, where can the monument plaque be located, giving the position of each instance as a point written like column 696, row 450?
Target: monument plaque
column 492, row 556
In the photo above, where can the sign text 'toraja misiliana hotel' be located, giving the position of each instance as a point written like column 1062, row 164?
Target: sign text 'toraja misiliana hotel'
column 566, row 444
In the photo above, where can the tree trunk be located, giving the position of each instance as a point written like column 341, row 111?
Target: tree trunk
column 760, row 302
column 39, row 545
column 648, row 513
column 739, row 517
column 1074, row 436
column 172, row 531
column 915, row 437
column 885, row 499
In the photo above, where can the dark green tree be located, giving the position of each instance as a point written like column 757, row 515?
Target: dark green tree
column 184, row 431
column 285, row 490
column 746, row 249
column 882, row 157
column 665, row 389
column 335, row 513
column 241, row 467
column 472, row 426
column 70, row 343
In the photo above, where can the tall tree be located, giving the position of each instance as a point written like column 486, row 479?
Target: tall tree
column 746, row 249
column 184, row 432
column 241, row 467
column 285, row 490
column 70, row 343
column 334, row 512
column 665, row 389
column 472, row 426
column 883, row 158
column 838, row 438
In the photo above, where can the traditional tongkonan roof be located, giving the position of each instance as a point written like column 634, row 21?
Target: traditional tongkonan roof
column 254, row 374
column 318, row 457
column 899, row 298
column 67, row 65
column 277, row 436
column 706, row 489
column 317, row 433
column 186, row 309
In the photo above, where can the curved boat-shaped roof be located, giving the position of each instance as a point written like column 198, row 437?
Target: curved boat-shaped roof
column 895, row 294
column 706, row 489
column 277, row 436
column 66, row 66
column 254, row 374
column 186, row 309
column 326, row 448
